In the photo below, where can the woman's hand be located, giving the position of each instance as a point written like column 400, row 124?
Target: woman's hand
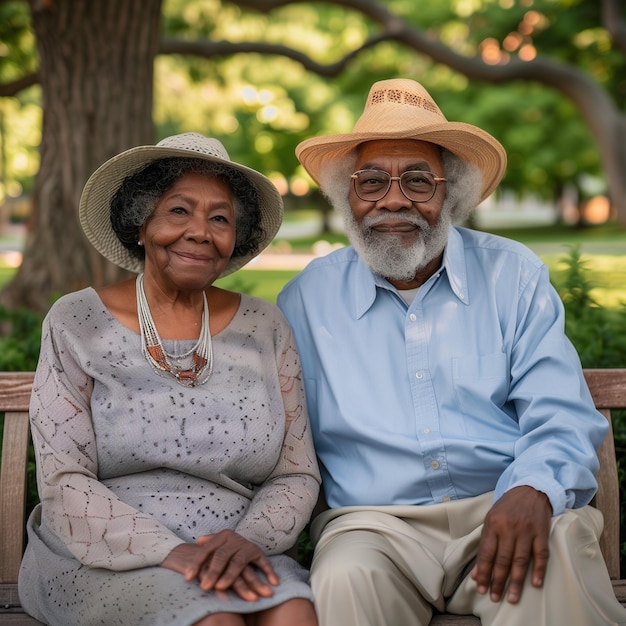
column 224, row 561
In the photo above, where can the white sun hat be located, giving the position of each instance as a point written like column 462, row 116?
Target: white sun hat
column 95, row 203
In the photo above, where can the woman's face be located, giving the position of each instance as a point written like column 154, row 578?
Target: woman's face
column 190, row 236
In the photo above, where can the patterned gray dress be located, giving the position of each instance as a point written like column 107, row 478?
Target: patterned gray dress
column 130, row 464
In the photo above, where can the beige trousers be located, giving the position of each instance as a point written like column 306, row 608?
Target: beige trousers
column 391, row 565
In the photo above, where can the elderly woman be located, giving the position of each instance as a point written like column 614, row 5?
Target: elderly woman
column 174, row 457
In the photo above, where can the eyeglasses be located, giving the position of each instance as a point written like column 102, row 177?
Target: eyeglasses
column 373, row 185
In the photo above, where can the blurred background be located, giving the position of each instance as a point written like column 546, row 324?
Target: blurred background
column 81, row 80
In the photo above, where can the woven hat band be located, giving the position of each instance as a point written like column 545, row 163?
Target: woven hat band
column 404, row 93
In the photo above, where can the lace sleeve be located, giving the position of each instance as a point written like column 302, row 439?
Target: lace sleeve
column 97, row 528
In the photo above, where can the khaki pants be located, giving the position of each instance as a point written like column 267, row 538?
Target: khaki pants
column 390, row 565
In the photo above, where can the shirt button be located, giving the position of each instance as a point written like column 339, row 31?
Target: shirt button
column 412, row 317
column 419, row 375
column 435, row 464
column 445, row 499
column 426, row 431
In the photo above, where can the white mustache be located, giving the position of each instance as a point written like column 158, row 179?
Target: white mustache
column 411, row 218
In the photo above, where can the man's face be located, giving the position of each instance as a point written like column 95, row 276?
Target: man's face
column 398, row 237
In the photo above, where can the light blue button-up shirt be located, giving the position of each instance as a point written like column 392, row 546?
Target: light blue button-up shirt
column 474, row 387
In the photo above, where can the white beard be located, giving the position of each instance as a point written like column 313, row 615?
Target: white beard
column 386, row 254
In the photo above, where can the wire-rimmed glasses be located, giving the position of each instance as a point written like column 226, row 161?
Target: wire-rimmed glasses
column 417, row 186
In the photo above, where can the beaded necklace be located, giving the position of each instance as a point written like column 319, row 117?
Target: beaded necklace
column 160, row 360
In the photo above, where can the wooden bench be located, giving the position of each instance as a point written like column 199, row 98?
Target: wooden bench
column 15, row 388
column 607, row 386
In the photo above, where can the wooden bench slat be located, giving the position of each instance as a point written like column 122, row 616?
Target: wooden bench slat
column 607, row 500
column 608, row 387
column 13, row 493
column 18, row 619
column 15, row 390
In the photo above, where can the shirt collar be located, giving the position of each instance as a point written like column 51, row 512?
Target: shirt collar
column 366, row 282
column 455, row 265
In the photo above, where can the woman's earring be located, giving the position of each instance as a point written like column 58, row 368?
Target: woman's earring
column 140, row 243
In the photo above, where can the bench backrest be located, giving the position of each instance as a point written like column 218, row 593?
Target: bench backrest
column 608, row 388
column 15, row 388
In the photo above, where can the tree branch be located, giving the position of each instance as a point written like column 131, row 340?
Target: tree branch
column 14, row 87
column 613, row 21
column 209, row 49
column 567, row 79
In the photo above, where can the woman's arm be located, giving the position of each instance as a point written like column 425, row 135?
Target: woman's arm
column 282, row 506
column 97, row 528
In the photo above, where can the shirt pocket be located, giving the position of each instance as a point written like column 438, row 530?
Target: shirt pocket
column 481, row 387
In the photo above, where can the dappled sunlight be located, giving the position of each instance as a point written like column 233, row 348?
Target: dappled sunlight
column 280, row 182
column 517, row 42
column 597, row 210
column 300, row 186
column 11, row 258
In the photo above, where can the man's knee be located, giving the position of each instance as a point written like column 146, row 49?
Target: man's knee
column 349, row 561
column 356, row 580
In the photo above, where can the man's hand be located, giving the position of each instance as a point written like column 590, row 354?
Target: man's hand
column 224, row 561
column 515, row 533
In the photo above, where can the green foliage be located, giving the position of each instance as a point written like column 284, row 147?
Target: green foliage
column 598, row 333
column 20, row 339
column 17, row 44
column 264, row 104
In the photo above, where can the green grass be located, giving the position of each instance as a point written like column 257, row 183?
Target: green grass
column 6, row 273
column 605, row 233
column 606, row 272
column 260, row 283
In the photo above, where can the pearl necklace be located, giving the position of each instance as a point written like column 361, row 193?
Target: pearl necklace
column 160, row 360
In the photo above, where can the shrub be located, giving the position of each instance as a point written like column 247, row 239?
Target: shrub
column 598, row 333
column 20, row 339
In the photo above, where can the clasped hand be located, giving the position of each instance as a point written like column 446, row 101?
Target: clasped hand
column 224, row 561
column 515, row 537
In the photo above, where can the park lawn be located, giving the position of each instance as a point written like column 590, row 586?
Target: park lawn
column 606, row 273
column 265, row 284
column 6, row 273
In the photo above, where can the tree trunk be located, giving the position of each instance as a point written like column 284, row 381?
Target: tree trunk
column 613, row 151
column 92, row 53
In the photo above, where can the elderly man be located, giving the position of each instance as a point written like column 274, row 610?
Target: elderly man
column 456, row 434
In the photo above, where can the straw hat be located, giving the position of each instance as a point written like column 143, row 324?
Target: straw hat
column 95, row 203
column 401, row 108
